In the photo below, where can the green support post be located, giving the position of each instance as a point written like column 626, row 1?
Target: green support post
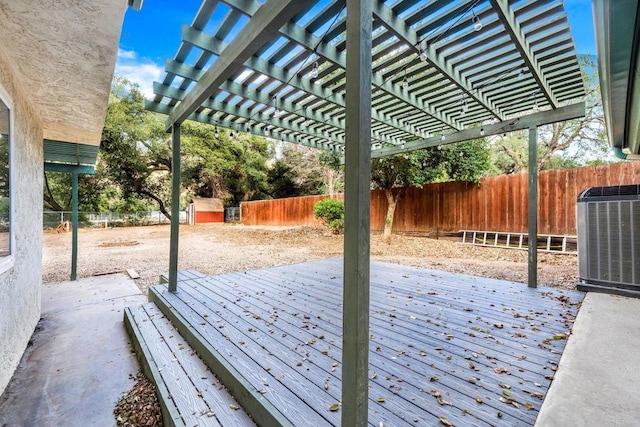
column 175, row 208
column 355, row 320
column 533, row 208
column 74, row 226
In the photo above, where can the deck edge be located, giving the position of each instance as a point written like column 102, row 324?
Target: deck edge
column 263, row 412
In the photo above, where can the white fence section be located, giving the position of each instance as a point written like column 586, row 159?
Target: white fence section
column 54, row 219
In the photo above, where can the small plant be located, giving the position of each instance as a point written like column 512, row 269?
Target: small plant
column 331, row 213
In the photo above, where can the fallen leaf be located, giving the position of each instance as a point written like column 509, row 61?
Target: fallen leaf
column 445, row 421
column 529, row 406
column 234, row 407
column 479, row 399
column 334, row 407
column 443, row 402
column 560, row 337
column 380, row 399
column 374, row 375
column 498, row 325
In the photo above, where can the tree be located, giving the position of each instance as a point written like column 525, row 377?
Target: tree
column 467, row 161
column 564, row 144
column 135, row 148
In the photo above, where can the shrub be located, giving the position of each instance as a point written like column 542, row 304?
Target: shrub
column 331, row 213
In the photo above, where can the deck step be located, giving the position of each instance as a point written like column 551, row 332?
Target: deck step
column 189, row 394
column 241, row 375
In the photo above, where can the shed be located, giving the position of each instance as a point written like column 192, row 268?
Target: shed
column 203, row 210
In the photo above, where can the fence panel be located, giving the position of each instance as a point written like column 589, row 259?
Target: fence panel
column 498, row 203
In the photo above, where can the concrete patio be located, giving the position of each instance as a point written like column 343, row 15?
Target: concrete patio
column 79, row 362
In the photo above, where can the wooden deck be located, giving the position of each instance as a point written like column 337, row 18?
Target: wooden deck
column 469, row 350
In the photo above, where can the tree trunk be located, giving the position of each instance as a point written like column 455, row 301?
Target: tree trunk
column 392, row 201
column 331, row 185
column 161, row 205
column 48, row 197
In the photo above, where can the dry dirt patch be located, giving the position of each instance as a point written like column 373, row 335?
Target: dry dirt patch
column 222, row 248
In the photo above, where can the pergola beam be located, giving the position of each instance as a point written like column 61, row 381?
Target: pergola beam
column 206, row 42
column 355, row 307
column 398, row 27
column 513, row 28
column 264, row 25
column 561, row 114
column 323, row 49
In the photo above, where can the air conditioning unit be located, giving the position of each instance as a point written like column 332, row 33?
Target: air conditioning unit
column 609, row 239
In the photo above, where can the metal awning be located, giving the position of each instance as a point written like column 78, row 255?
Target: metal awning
column 439, row 67
column 617, row 25
column 68, row 153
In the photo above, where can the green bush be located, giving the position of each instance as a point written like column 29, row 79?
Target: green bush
column 331, row 213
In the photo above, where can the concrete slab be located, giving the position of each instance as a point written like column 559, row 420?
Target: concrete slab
column 79, row 361
column 598, row 380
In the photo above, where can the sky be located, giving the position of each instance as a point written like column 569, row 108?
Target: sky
column 153, row 34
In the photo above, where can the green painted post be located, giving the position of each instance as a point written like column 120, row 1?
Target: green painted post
column 175, row 208
column 74, row 225
column 355, row 320
column 533, row 207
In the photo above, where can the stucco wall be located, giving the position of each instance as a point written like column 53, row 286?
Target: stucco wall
column 20, row 284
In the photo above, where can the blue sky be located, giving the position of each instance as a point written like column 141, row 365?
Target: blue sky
column 153, row 34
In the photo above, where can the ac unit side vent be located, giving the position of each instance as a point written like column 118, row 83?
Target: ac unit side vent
column 609, row 236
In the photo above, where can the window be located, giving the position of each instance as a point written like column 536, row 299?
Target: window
column 5, row 193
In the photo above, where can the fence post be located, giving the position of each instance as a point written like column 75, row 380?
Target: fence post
column 533, row 208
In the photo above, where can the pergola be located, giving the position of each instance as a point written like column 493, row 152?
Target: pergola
column 371, row 78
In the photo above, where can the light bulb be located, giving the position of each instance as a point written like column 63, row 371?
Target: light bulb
column 464, row 108
column 423, row 55
column 276, row 112
column 481, row 131
column 248, row 130
column 314, row 70
column 439, row 147
column 521, row 75
column 424, row 163
column 215, row 132
column 405, row 83
column 231, row 134
column 477, row 25
column 402, row 145
column 442, row 138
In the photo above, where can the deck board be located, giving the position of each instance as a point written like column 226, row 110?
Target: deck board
column 197, row 395
column 433, row 334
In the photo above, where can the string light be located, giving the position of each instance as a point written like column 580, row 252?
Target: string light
column 215, row 132
column 314, row 70
column 481, row 131
column 423, row 54
column 405, row 81
column 477, row 25
column 442, row 138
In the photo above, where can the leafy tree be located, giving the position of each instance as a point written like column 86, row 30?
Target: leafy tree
column 564, row 144
column 232, row 168
column 467, row 161
column 135, row 149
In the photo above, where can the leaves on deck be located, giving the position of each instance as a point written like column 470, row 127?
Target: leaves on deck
column 445, row 421
column 334, row 407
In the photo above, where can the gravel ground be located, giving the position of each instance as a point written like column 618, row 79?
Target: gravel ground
column 222, row 248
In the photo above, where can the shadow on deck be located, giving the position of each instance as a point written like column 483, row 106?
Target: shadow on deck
column 444, row 347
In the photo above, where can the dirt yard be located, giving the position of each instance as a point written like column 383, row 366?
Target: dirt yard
column 221, row 248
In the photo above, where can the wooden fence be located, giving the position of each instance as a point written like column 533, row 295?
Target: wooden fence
column 498, row 203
